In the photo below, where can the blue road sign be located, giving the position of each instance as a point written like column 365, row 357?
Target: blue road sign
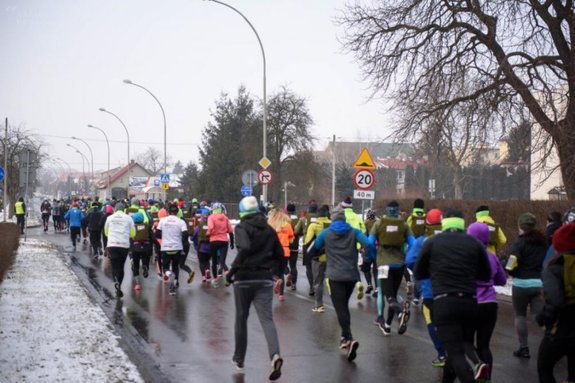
column 1, row 173
column 246, row 190
column 165, row 178
column 156, row 182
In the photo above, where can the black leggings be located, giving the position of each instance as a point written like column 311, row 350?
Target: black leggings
column 293, row 257
column 173, row 260
column 74, row 232
column 118, row 256
column 390, row 287
column 340, row 293
column 140, row 257
column 96, row 240
column 454, row 318
column 204, row 259
column 486, row 318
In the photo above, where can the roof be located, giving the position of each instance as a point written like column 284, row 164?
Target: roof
column 397, row 163
column 103, row 183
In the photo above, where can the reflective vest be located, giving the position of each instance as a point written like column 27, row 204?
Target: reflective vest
column 391, row 232
column 19, row 206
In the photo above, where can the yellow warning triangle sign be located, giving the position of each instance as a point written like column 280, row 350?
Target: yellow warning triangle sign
column 364, row 161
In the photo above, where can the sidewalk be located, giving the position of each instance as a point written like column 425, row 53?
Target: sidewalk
column 50, row 331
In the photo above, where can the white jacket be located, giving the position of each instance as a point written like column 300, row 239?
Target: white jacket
column 119, row 229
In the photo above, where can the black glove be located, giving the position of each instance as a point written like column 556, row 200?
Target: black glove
column 229, row 279
column 232, row 245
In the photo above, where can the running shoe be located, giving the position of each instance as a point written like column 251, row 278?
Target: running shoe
column 439, row 362
column 481, row 371
column 311, row 292
column 374, row 294
column 318, row 309
column 119, row 292
column 403, row 319
column 208, row 274
column 352, row 350
column 278, row 285
column 204, row 279
column 369, row 290
column 191, row 276
column 359, row 292
column 172, row 290
column 282, row 297
column 277, row 363
column 145, row 271
column 239, row 365
column 384, row 328
column 343, row 344
column 293, row 288
column 289, row 280
column 522, row 352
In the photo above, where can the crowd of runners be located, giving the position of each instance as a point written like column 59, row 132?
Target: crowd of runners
column 445, row 266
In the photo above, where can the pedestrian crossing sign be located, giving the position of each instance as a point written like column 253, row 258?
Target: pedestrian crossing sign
column 165, row 178
column 364, row 161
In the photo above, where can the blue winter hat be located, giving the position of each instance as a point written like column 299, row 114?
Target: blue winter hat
column 138, row 217
column 249, row 205
column 392, row 209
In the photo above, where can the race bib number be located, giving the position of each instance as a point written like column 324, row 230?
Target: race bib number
column 140, row 227
column 313, row 219
column 383, row 272
column 420, row 222
column 391, row 228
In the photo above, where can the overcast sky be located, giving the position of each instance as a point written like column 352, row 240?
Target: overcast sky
column 61, row 60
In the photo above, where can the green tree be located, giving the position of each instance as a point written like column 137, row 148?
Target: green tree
column 178, row 168
column 189, row 180
column 514, row 55
column 229, row 146
column 289, row 123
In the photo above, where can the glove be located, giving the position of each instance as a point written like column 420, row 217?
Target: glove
column 229, row 279
column 232, row 245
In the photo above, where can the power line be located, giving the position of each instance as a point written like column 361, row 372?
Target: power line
column 123, row 142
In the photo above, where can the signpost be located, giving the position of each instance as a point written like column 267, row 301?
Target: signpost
column 246, row 190
column 165, row 180
column 364, row 194
column 250, row 178
column 364, row 179
column 264, row 177
column 364, row 161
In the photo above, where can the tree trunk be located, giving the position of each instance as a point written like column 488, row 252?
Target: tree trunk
column 565, row 145
column 458, row 184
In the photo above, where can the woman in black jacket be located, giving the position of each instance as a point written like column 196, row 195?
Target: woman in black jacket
column 525, row 265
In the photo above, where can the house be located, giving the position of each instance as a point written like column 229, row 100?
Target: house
column 116, row 182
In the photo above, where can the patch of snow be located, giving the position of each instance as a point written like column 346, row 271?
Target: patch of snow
column 504, row 290
column 50, row 331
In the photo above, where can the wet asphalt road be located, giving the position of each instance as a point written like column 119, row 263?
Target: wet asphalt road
column 189, row 337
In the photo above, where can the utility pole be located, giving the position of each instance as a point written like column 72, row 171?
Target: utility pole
column 333, row 172
column 5, row 170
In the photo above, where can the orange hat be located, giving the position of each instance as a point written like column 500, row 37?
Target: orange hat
column 162, row 213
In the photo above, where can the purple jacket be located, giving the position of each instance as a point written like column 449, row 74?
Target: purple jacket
column 485, row 290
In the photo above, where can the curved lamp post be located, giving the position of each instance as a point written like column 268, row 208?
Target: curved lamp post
column 128, row 136
column 83, row 163
column 108, row 189
column 91, row 154
column 129, row 82
column 264, row 187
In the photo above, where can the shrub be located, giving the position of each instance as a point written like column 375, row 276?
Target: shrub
column 10, row 235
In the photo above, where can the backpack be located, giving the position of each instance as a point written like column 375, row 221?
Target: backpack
column 391, row 232
column 417, row 224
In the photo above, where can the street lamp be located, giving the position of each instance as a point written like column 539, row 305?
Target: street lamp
column 129, row 82
column 108, row 189
column 83, row 163
column 91, row 154
column 127, row 135
column 78, row 150
column 264, row 187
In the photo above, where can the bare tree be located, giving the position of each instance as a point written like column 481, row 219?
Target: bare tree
column 19, row 142
column 289, row 123
column 152, row 159
column 516, row 55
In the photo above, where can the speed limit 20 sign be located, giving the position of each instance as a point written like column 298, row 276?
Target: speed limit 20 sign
column 364, row 179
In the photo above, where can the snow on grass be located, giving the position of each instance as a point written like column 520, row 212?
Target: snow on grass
column 49, row 330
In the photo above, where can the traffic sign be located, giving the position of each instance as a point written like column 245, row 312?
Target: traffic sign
column 363, row 194
column 156, row 182
column 250, row 178
column 165, row 178
column 165, row 186
column 265, row 162
column 364, row 179
column 265, row 177
column 364, row 161
column 1, row 173
column 246, row 190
